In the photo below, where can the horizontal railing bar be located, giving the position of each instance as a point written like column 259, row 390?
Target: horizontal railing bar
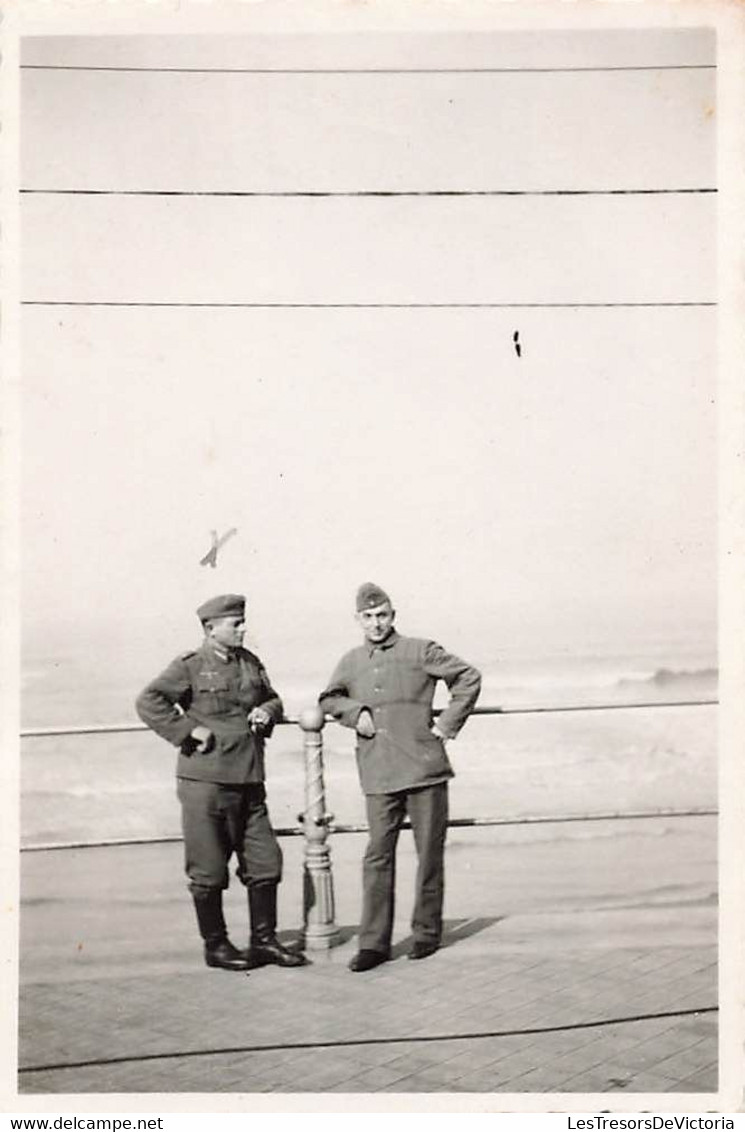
column 588, row 707
column 124, row 728
column 87, row 729
column 235, row 304
column 385, row 194
column 362, row 827
column 366, row 70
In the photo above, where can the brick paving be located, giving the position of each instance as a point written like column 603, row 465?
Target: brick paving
column 572, row 964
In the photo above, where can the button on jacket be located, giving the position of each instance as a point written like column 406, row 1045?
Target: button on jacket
column 396, row 682
column 215, row 690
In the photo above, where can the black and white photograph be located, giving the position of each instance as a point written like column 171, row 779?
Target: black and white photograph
column 370, row 461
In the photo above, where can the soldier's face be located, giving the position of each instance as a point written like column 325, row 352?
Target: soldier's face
column 227, row 631
column 377, row 623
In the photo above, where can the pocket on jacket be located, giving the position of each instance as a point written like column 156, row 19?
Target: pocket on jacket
column 251, row 693
column 424, row 735
column 234, row 743
column 211, row 695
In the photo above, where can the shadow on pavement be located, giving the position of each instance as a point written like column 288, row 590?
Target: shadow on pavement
column 454, row 931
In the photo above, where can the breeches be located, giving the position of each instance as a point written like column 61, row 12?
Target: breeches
column 427, row 808
column 219, row 820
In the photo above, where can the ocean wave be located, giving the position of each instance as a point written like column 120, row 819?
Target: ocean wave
column 599, row 680
column 667, row 677
column 103, row 790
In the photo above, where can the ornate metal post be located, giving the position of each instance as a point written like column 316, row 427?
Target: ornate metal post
column 318, row 882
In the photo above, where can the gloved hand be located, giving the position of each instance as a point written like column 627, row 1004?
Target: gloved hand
column 259, row 720
column 203, row 739
column 365, row 726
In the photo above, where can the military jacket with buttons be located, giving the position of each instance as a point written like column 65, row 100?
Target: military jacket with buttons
column 216, row 690
column 396, row 682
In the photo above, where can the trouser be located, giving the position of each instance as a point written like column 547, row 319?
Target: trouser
column 219, row 820
column 427, row 808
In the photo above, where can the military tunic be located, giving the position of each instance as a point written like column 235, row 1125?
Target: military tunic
column 395, row 681
column 222, row 795
column 403, row 768
column 214, row 689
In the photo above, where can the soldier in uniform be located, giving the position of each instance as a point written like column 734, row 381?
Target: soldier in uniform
column 384, row 690
column 217, row 706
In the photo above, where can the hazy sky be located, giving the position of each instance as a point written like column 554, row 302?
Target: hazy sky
column 564, row 495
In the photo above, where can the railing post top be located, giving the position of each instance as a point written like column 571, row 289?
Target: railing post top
column 312, row 718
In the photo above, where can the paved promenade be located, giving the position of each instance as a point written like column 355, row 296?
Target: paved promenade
column 578, row 959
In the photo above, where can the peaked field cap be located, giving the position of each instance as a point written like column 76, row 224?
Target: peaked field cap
column 369, row 596
column 226, row 605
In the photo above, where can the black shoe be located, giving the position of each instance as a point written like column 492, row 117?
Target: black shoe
column 265, row 947
column 365, row 960
column 218, row 950
column 272, row 951
column 422, row 949
column 223, row 954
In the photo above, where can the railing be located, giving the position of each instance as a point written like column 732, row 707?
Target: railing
column 124, row 728
column 316, row 824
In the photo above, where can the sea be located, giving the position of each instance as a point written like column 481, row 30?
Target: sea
column 642, row 740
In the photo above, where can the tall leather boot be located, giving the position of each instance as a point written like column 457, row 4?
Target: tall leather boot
column 265, row 947
column 218, row 950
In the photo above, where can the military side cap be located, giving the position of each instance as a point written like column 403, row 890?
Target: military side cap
column 369, row 596
column 226, row 605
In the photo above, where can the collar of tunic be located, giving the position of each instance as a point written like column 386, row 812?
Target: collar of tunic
column 223, row 655
column 388, row 643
